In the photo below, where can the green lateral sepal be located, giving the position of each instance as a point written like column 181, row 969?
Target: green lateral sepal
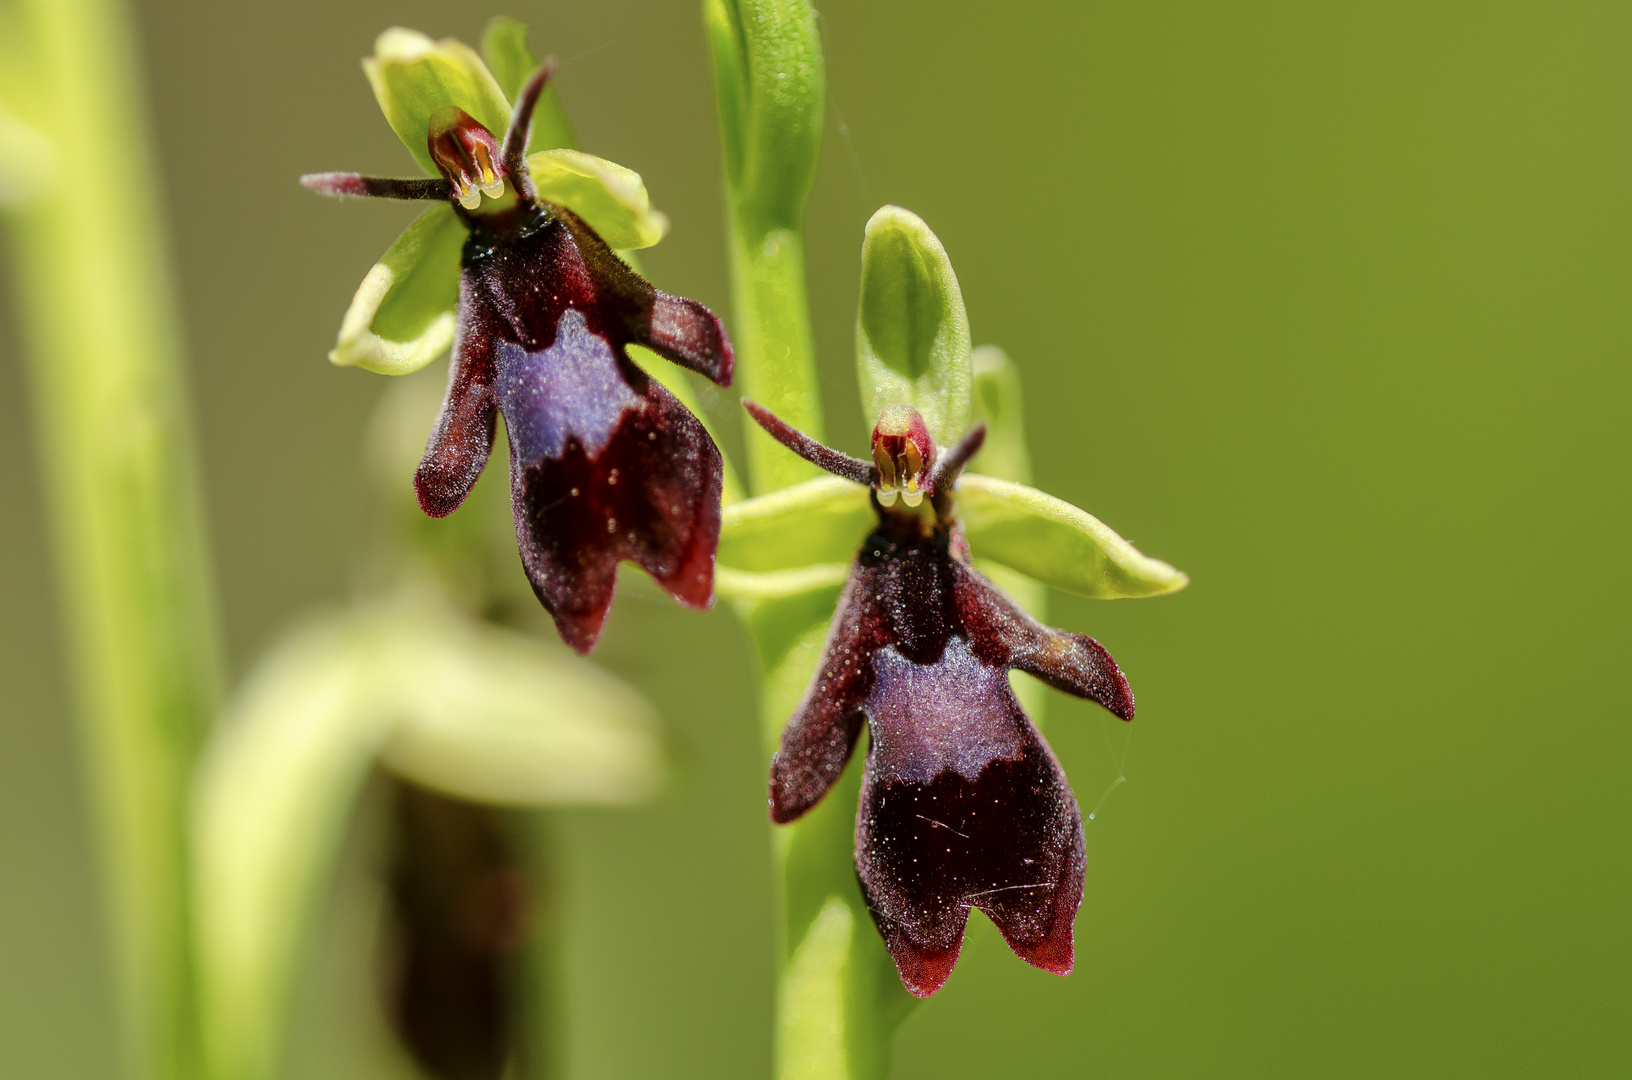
column 1056, row 543
column 819, row 521
column 402, row 316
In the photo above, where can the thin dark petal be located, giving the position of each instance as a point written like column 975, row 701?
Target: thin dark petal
column 514, row 153
column 687, row 333
column 1004, row 634
column 963, row 806
column 342, row 184
column 819, row 739
column 951, row 463
column 822, row 457
column 681, row 331
column 463, row 436
column 605, row 465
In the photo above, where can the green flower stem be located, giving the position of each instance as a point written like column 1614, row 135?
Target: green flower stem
column 115, row 447
column 776, row 356
column 838, row 998
column 771, row 91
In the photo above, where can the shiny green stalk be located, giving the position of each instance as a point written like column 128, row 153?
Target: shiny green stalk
column 771, row 91
column 838, row 997
column 112, row 425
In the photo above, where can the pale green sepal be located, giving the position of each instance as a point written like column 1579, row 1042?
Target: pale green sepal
column 998, row 404
column 414, row 76
column 493, row 717
column 1054, row 542
column 912, row 333
column 609, row 197
column 402, row 317
column 504, row 47
column 823, row 520
column 505, row 719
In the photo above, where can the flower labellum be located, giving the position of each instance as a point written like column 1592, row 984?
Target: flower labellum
column 963, row 804
column 605, row 464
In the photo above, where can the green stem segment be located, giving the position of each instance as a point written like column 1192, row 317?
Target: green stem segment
column 771, row 90
column 838, row 997
column 776, row 356
column 115, row 447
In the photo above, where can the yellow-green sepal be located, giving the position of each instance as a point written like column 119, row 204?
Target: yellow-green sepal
column 413, row 76
column 819, row 522
column 402, row 316
column 609, row 197
column 1056, row 543
column 912, row 332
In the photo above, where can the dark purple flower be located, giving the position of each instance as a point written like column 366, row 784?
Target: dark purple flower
column 605, row 464
column 962, row 802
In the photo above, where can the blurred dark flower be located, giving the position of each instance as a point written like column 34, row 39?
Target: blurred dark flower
column 962, row 802
column 605, row 463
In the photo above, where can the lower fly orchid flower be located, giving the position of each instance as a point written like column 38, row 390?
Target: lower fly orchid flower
column 605, row 463
column 962, row 802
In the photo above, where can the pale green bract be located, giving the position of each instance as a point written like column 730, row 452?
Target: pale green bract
column 476, row 712
column 912, row 333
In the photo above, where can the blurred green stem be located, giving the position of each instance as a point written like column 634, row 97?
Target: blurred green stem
column 111, row 420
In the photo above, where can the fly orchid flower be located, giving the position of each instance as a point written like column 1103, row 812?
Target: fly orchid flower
column 962, row 802
column 605, row 463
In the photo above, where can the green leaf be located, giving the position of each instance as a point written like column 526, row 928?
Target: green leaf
column 1054, row 542
column 611, row 198
column 402, row 316
column 478, row 712
column 998, row 404
column 504, row 47
column 414, row 76
column 912, row 333
column 824, row 520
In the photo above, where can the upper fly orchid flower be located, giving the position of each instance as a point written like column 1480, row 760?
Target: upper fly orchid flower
column 605, row 463
column 962, row 802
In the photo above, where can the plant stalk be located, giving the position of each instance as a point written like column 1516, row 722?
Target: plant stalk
column 115, row 448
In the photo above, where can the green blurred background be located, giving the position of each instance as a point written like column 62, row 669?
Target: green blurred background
column 1326, row 304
